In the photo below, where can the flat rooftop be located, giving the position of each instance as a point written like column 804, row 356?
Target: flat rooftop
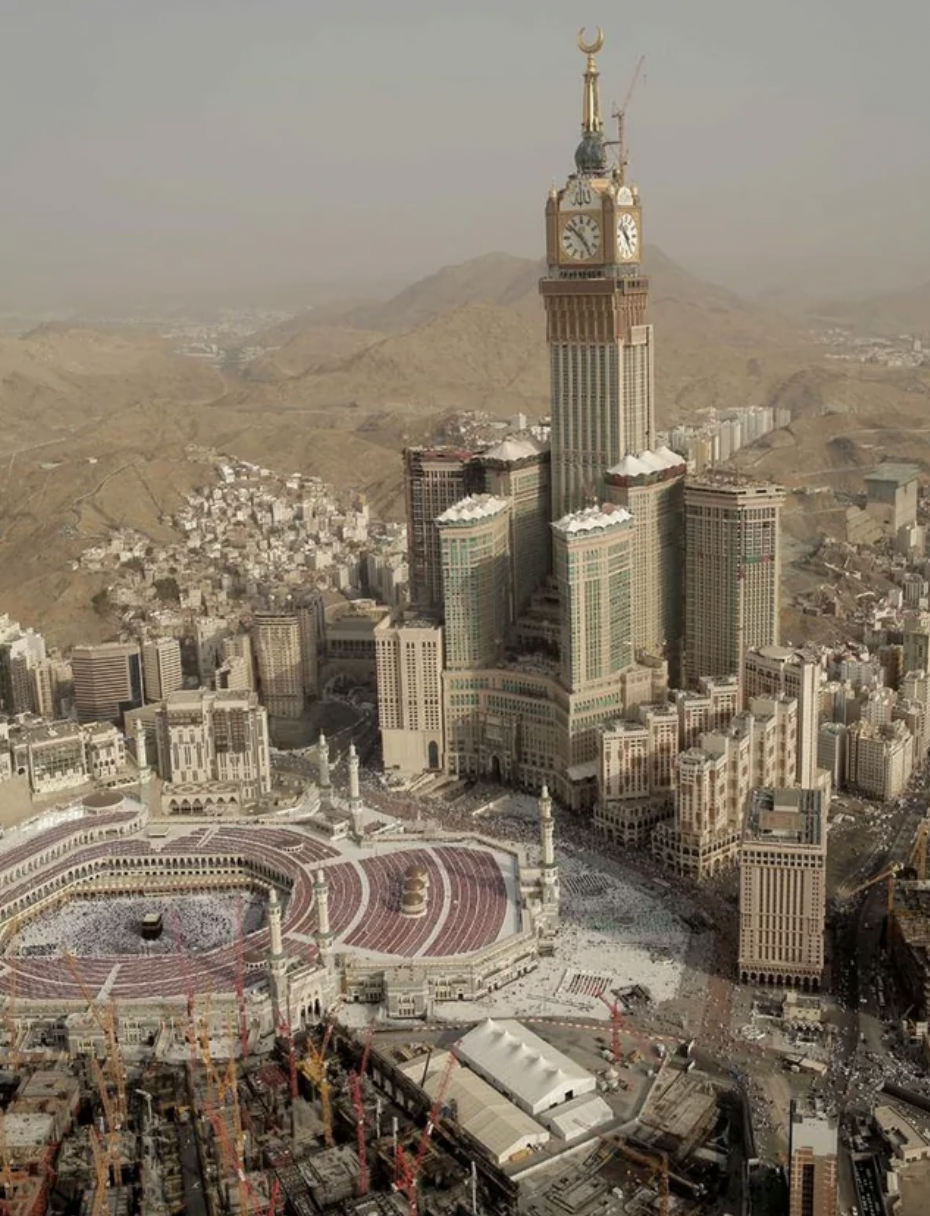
column 790, row 817
column 897, row 474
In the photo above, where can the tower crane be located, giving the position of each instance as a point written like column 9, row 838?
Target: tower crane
column 890, row 872
column 358, row 1103
column 314, row 1066
column 240, row 980
column 918, row 856
column 619, row 114
column 105, row 1017
column 407, row 1175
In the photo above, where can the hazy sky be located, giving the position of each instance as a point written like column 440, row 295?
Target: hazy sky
column 231, row 146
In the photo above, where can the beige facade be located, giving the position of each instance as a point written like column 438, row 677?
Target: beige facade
column 783, row 888
column 715, row 779
column 732, row 572
column 783, row 671
column 161, row 668
column 591, row 552
column 205, row 737
column 891, row 496
column 474, row 537
column 107, row 680
column 813, row 1147
column 651, row 487
column 879, row 759
column 636, row 777
column 434, row 480
column 276, row 637
column 517, row 471
column 409, row 660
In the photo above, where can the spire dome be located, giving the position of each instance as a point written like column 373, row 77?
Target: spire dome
column 591, row 154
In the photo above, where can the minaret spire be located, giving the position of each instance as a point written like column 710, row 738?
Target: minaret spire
column 591, row 155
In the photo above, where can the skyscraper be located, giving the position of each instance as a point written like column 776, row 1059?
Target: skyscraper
column 475, row 546
column 107, row 680
column 280, row 667
column 161, row 668
column 732, row 571
column 595, row 295
column 434, row 479
column 591, row 558
column 783, row 888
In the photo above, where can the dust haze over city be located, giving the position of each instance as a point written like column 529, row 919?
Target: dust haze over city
column 464, row 610
column 186, row 151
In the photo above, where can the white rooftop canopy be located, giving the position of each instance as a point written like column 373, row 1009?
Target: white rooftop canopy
column 523, row 1066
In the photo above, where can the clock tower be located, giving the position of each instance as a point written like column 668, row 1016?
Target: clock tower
column 595, row 295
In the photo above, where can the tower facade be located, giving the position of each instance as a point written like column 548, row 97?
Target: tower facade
column 161, row 668
column 434, row 480
column 280, row 666
column 591, row 556
column 732, row 572
column 475, row 544
column 408, row 656
column 517, row 470
column 107, row 680
column 595, row 296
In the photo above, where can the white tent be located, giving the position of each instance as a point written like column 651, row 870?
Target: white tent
column 480, row 1110
column 523, row 1066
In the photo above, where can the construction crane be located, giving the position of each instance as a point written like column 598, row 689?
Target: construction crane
column 105, row 1017
column 101, row 1174
column 285, row 1028
column 918, row 857
column 314, row 1068
column 240, row 980
column 890, row 872
column 358, row 1103
column 407, row 1175
column 619, row 114
column 657, row 1165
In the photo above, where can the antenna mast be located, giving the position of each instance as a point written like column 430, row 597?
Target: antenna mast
column 619, row 114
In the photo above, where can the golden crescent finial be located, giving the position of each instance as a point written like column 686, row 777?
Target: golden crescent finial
column 590, row 48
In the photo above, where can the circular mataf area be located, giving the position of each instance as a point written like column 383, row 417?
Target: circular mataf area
column 82, row 886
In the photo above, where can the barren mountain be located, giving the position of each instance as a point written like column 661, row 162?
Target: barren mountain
column 473, row 336
column 886, row 315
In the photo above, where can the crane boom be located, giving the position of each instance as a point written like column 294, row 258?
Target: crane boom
column 619, row 114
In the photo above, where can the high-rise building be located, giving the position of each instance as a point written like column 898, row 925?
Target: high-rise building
column 409, row 664
column 783, row 671
column 237, row 670
column 651, row 487
column 813, row 1147
column 595, row 295
column 434, row 480
column 732, row 572
column 161, row 668
column 107, row 680
column 783, row 888
column 276, row 636
column 212, row 750
column 591, row 553
column 474, row 539
column 22, row 684
column 518, row 470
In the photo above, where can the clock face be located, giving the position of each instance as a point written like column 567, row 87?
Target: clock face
column 627, row 236
column 581, row 238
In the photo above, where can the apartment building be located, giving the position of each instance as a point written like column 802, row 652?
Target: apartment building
column 107, row 680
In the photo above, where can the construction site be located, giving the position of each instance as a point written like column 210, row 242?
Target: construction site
column 495, row 1118
column 251, row 1018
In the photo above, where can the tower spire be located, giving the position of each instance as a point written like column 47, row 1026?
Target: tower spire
column 591, row 154
column 591, row 115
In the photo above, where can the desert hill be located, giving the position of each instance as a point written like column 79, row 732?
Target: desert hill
column 886, row 315
column 473, row 336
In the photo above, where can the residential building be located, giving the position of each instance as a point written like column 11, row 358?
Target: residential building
column 474, row 537
column 107, row 680
column 879, row 759
column 783, row 888
column 517, row 471
column 732, row 572
column 891, row 495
